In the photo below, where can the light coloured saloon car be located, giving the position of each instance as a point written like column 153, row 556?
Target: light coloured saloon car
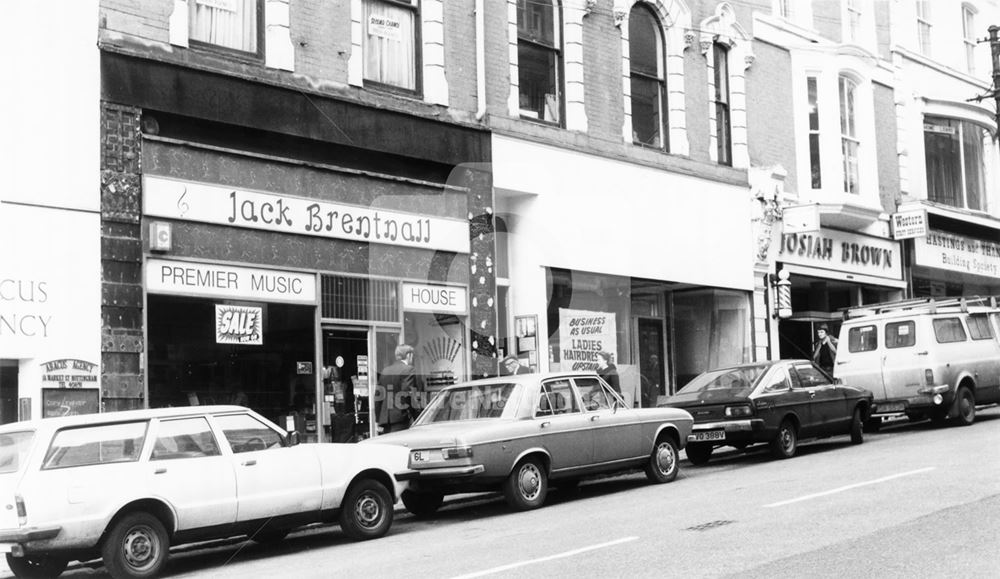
column 126, row 486
column 518, row 433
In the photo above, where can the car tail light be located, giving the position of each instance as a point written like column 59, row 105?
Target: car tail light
column 738, row 411
column 929, row 377
column 456, row 452
column 22, row 513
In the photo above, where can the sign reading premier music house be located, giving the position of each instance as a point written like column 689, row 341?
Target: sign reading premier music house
column 191, row 201
column 226, row 281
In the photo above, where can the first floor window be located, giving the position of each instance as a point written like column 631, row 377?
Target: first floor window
column 849, row 141
column 815, row 170
column 723, row 134
column 232, row 24
column 957, row 156
column 648, row 89
column 389, row 30
column 539, row 60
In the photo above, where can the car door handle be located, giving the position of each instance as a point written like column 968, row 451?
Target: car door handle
column 249, row 462
column 545, row 425
column 812, row 394
column 595, row 418
column 924, row 353
column 160, row 470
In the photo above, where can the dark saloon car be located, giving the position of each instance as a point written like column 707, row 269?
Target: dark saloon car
column 517, row 433
column 778, row 403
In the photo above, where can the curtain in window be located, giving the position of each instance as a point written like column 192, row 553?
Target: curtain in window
column 389, row 44
column 943, row 161
column 226, row 23
column 973, row 138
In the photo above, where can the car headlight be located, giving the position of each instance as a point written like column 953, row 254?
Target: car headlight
column 738, row 411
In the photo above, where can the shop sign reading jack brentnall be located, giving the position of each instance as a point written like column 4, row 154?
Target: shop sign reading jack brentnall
column 242, row 325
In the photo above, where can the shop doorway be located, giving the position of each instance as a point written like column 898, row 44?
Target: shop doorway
column 652, row 375
column 8, row 392
column 351, row 362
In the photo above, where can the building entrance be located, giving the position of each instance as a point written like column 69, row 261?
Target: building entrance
column 352, row 358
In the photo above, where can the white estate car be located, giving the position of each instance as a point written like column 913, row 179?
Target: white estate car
column 125, row 486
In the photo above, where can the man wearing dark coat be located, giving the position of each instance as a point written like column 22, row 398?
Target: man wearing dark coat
column 606, row 369
column 395, row 405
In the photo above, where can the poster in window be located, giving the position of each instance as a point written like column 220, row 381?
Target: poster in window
column 239, row 325
column 70, row 401
column 582, row 334
column 384, row 26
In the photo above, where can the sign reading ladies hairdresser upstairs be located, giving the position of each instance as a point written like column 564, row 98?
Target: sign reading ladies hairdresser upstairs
column 206, row 203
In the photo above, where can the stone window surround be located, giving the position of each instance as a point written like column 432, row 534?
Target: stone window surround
column 279, row 52
column 675, row 22
column 722, row 28
column 433, row 79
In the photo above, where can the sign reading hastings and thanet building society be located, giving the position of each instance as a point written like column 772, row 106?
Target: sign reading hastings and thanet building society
column 843, row 252
column 958, row 253
column 191, row 201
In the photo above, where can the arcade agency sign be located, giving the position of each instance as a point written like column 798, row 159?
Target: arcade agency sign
column 191, row 201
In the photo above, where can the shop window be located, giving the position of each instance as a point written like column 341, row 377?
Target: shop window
column 924, row 27
column 539, row 59
column 958, row 156
column 849, row 141
column 389, row 30
column 648, row 84
column 814, row 156
column 723, row 132
column 969, row 37
column 230, row 24
column 711, row 330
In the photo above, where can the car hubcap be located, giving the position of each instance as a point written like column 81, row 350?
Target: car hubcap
column 786, row 439
column 140, row 547
column 368, row 510
column 665, row 458
column 529, row 481
column 966, row 406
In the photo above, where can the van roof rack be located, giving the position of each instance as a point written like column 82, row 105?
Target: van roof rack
column 929, row 304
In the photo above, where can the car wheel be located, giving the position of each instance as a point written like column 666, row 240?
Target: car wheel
column 366, row 512
column 36, row 567
column 422, row 504
column 857, row 427
column 526, row 486
column 664, row 462
column 965, row 406
column 698, row 454
column 137, row 546
column 785, row 444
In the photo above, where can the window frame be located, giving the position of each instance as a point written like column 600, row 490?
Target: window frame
column 659, row 80
column 911, row 331
column 969, row 14
column 980, row 327
column 960, row 197
column 861, row 331
column 815, row 139
column 924, row 27
column 256, row 57
column 557, row 51
column 853, row 21
column 722, row 102
column 847, row 90
column 955, row 322
column 418, row 79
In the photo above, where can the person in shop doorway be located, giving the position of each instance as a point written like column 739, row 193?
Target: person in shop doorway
column 606, row 369
column 825, row 349
column 395, row 404
column 511, row 366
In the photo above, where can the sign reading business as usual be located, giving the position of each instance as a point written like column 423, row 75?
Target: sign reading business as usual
column 203, row 279
column 206, row 203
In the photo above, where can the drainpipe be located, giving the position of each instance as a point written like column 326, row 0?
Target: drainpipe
column 480, row 60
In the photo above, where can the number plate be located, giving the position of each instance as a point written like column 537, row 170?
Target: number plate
column 890, row 407
column 706, row 436
column 421, row 456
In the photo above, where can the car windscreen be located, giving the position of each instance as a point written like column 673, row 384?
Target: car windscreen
column 14, row 448
column 471, row 403
column 725, row 383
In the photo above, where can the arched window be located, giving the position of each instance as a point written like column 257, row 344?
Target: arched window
column 723, row 129
column 849, row 142
column 539, row 59
column 648, row 84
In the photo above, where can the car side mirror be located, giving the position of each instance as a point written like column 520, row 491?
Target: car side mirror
column 294, row 439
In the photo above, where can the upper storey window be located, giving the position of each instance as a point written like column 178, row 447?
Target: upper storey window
column 924, row 27
column 959, row 154
column 231, row 24
column 854, row 20
column 723, row 128
column 390, row 31
column 648, row 80
column 969, row 37
column 849, row 141
column 539, row 59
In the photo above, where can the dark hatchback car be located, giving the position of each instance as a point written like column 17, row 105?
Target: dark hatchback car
column 779, row 403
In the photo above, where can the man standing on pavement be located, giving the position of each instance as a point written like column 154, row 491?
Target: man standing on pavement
column 825, row 349
column 395, row 405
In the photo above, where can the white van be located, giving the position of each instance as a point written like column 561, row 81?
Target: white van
column 926, row 357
